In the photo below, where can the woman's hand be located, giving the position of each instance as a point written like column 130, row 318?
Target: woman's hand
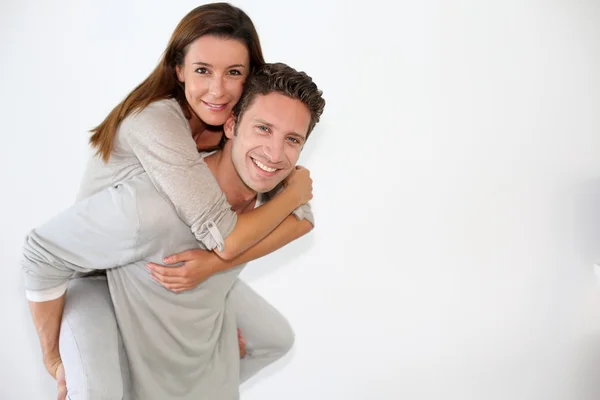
column 198, row 265
column 299, row 180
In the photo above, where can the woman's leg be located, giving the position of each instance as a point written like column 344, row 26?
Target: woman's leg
column 90, row 343
column 268, row 334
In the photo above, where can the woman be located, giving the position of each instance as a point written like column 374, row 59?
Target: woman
column 194, row 87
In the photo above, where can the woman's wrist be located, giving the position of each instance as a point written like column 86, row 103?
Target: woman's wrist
column 218, row 264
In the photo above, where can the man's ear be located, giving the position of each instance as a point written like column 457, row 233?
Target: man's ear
column 179, row 72
column 229, row 127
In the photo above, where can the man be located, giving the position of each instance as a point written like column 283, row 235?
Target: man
column 179, row 345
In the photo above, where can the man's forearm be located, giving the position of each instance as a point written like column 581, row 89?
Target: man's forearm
column 288, row 231
column 47, row 317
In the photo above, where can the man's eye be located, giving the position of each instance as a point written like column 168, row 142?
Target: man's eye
column 263, row 128
column 294, row 140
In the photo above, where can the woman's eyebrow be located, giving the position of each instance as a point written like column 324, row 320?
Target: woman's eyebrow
column 209, row 65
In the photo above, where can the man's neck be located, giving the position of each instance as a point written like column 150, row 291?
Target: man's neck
column 237, row 193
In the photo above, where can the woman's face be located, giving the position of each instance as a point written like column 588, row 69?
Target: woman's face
column 213, row 73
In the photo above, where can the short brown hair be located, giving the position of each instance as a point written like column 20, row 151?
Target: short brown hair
column 217, row 19
column 283, row 79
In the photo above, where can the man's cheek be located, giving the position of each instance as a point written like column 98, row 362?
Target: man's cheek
column 293, row 155
column 286, row 175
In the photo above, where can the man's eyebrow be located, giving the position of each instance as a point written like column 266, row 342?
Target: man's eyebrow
column 270, row 125
column 210, row 66
column 262, row 121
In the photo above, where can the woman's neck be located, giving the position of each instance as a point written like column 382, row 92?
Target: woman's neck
column 196, row 125
column 207, row 137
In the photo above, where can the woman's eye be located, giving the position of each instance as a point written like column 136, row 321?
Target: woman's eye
column 202, row 70
column 235, row 72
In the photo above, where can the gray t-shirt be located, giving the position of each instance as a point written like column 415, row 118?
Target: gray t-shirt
column 178, row 345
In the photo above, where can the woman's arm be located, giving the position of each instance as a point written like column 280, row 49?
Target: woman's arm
column 161, row 139
column 288, row 231
column 198, row 265
column 255, row 226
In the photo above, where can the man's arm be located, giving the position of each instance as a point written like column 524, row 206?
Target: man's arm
column 47, row 317
column 97, row 233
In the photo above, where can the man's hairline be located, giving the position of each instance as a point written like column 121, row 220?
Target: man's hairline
column 238, row 118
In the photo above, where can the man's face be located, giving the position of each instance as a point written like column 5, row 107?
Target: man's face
column 267, row 141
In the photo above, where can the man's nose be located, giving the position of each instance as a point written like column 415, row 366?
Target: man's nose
column 274, row 150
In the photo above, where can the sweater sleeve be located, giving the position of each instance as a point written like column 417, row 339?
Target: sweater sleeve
column 305, row 212
column 161, row 139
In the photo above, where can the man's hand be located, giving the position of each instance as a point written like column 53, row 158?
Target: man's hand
column 198, row 265
column 242, row 343
column 61, row 382
column 55, row 367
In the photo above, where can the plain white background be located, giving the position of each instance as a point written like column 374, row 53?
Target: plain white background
column 457, row 188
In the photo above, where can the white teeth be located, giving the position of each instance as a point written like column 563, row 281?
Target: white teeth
column 263, row 167
column 215, row 106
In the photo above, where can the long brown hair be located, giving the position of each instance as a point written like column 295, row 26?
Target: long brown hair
column 219, row 19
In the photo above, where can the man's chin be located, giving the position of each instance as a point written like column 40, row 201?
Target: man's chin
column 264, row 188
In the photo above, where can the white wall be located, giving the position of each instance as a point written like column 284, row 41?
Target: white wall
column 456, row 175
